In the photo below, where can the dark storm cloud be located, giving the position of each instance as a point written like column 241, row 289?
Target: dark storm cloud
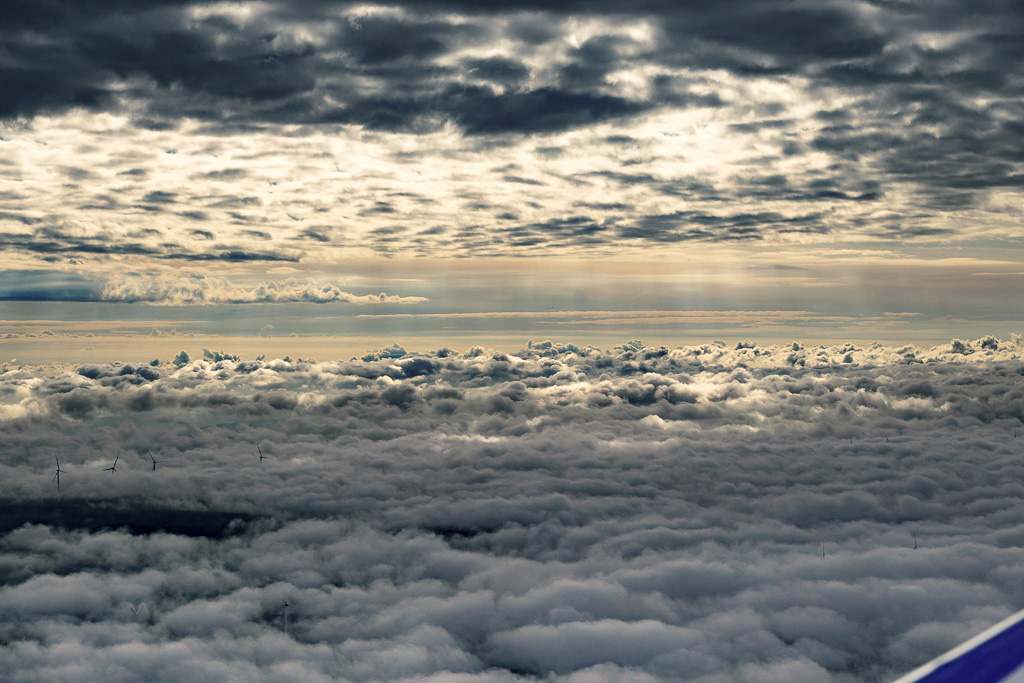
column 569, row 230
column 383, row 39
column 480, row 110
column 181, row 289
column 788, row 36
column 226, row 174
column 39, row 90
column 497, row 70
column 251, row 64
column 547, row 109
column 160, row 197
column 932, row 111
column 54, row 240
column 29, row 285
column 232, row 202
column 318, row 233
column 243, row 63
column 563, row 513
column 245, row 70
column 24, row 220
column 687, row 226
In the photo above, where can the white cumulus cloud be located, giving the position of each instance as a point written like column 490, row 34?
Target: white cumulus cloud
column 568, row 514
column 198, row 289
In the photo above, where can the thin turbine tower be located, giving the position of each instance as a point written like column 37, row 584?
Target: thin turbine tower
column 112, row 468
column 285, row 605
column 56, row 475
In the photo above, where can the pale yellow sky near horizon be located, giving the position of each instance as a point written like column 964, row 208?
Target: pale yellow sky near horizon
column 367, row 175
column 776, row 295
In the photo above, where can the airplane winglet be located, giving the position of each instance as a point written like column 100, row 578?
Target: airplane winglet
column 993, row 656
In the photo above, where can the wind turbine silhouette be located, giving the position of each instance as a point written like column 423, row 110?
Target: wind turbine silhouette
column 285, row 605
column 155, row 461
column 261, row 453
column 56, row 475
column 136, row 610
column 112, row 468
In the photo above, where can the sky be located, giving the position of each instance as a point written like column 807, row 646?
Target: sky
column 508, row 342
column 328, row 177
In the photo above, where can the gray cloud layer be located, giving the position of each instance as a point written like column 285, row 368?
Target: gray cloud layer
column 179, row 289
column 564, row 513
column 202, row 289
column 875, row 119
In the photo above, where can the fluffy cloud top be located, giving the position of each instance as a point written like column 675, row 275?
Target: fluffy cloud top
column 711, row 513
column 198, row 289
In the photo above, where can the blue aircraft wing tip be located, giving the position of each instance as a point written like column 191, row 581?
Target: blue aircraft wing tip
column 990, row 657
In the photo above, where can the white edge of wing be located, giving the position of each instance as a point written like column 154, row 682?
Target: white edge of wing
column 961, row 649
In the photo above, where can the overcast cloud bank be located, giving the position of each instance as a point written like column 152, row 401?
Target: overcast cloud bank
column 280, row 131
column 711, row 513
column 199, row 289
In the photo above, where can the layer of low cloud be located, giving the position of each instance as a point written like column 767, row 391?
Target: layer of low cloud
column 710, row 513
column 200, row 289
column 179, row 289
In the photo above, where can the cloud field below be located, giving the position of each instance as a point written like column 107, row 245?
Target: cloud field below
column 709, row 513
